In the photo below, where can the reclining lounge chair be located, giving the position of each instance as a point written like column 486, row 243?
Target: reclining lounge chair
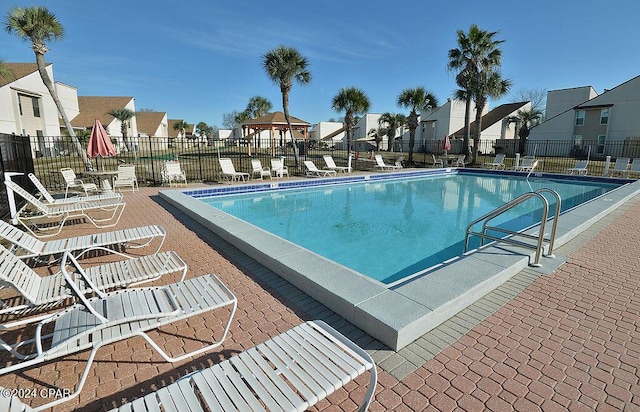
column 46, row 291
column 26, row 246
column 290, row 372
column 312, row 170
column 44, row 215
column 116, row 316
column 51, row 200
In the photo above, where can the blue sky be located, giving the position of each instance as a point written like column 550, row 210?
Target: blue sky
column 198, row 59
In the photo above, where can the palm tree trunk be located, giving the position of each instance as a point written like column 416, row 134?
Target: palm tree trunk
column 476, row 137
column 412, row 140
column 285, row 106
column 49, row 84
column 467, row 128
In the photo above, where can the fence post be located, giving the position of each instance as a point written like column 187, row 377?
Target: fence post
column 606, row 166
column 153, row 170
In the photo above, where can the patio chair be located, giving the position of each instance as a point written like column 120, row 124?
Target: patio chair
column 579, row 168
column 50, row 199
column 380, row 164
column 497, row 163
column 117, row 316
column 26, row 246
column 528, row 164
column 331, row 164
column 290, row 372
column 172, row 173
column 278, row 168
column 126, row 177
column 72, row 181
column 620, row 167
column 229, row 171
column 259, row 170
column 634, row 169
column 459, row 162
column 43, row 292
column 14, row 404
column 50, row 219
column 312, row 170
column 437, row 162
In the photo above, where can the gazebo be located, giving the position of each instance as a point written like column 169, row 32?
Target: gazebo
column 276, row 122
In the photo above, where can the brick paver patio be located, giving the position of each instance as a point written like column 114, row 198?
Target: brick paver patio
column 566, row 340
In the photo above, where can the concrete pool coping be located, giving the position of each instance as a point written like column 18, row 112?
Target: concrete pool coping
column 397, row 315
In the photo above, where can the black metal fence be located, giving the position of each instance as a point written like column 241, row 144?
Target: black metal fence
column 15, row 156
column 199, row 159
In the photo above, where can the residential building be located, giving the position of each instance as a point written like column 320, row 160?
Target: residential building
column 602, row 125
column 27, row 108
column 327, row 133
column 98, row 107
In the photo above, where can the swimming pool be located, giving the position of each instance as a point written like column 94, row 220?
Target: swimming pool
column 388, row 230
column 401, row 312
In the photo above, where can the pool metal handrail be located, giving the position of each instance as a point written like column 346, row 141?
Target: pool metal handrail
column 509, row 239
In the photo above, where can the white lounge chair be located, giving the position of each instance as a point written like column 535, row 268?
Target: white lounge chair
column 116, row 316
column 72, row 181
column 331, row 165
column 46, row 291
column 50, row 219
column 259, row 170
column 620, row 167
column 459, row 162
column 13, row 404
column 497, row 163
column 172, row 173
column 380, row 164
column 49, row 198
column 26, row 246
column 278, row 168
column 126, row 177
column 579, row 168
column 290, row 372
column 437, row 162
column 634, row 169
column 312, row 170
column 528, row 164
column 229, row 171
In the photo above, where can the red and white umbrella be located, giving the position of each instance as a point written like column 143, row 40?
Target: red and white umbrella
column 446, row 145
column 100, row 143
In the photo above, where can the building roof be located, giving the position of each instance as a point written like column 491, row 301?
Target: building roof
column 19, row 70
column 148, row 122
column 276, row 118
column 97, row 107
column 494, row 116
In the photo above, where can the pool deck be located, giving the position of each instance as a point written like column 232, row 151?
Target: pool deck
column 563, row 339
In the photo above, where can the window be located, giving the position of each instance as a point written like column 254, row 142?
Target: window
column 36, row 106
column 601, row 141
column 579, row 117
column 604, row 116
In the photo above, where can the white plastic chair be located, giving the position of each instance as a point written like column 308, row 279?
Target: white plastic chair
column 380, row 164
column 259, row 170
column 229, row 171
column 579, row 168
column 621, row 166
column 331, row 164
column 278, row 168
column 173, row 174
column 126, row 177
column 497, row 164
column 437, row 162
column 50, row 199
column 72, row 181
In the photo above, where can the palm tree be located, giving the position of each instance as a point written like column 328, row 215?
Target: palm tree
column 526, row 119
column 487, row 84
column 377, row 135
column 38, row 25
column 477, row 51
column 392, row 121
column 258, row 106
column 123, row 115
column 283, row 65
column 415, row 100
column 181, row 127
column 353, row 102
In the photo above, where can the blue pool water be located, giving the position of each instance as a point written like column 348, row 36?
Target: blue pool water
column 388, row 230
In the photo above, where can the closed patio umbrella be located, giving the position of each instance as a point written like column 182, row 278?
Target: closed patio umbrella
column 100, row 143
column 446, row 145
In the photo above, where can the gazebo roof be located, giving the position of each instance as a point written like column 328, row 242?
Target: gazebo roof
column 275, row 118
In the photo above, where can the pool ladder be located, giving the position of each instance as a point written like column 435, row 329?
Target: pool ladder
column 540, row 239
